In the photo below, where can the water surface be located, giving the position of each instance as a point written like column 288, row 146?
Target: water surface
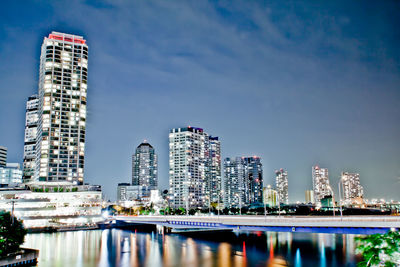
column 129, row 248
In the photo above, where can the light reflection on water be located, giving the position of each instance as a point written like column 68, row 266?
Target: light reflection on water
column 130, row 248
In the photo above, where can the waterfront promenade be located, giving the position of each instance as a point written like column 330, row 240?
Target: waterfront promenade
column 321, row 224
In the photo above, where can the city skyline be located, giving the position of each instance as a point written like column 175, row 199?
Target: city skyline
column 357, row 117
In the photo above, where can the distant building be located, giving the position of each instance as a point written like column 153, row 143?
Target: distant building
column 282, row 186
column 31, row 125
column 310, row 196
column 194, row 174
column 11, row 174
column 270, row 196
column 144, row 167
column 352, row 189
column 3, row 156
column 128, row 192
column 243, row 181
column 321, row 186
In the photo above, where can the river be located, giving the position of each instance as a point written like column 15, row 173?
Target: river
column 129, row 248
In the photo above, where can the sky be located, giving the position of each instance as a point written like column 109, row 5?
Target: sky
column 296, row 83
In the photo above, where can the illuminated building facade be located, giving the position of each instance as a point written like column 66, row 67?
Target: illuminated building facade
column 214, row 185
column 144, row 167
column 352, row 189
column 321, row 186
column 60, row 146
column 270, row 196
column 243, row 181
column 3, row 156
column 31, row 124
column 194, row 174
column 234, row 182
column 281, row 179
column 60, row 205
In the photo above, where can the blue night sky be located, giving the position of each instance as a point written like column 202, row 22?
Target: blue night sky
column 295, row 83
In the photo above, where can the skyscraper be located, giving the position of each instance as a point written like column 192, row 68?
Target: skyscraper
column 253, row 180
column 191, row 169
column 309, row 196
column 270, row 196
column 234, row 182
column 3, row 156
column 352, row 189
column 31, row 124
column 60, row 146
column 281, row 180
column 214, row 185
column 243, row 181
column 321, row 185
column 144, row 166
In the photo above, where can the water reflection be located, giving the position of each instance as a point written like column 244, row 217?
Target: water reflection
column 130, row 248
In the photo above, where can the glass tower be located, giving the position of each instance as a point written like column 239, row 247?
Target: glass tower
column 60, row 144
column 321, row 185
column 144, row 166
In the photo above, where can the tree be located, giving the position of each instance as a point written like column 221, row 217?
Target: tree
column 12, row 233
column 379, row 249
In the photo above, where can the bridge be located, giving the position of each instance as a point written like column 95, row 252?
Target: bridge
column 311, row 224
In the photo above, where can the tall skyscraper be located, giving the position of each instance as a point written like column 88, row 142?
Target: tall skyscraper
column 253, row 180
column 144, row 166
column 243, row 181
column 31, row 124
column 60, row 146
column 3, row 156
column 234, row 182
column 281, row 180
column 321, row 186
column 214, row 185
column 352, row 189
column 191, row 169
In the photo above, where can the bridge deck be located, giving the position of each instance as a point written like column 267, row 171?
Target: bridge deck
column 328, row 224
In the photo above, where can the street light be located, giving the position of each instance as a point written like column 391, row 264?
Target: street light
column 279, row 204
column 333, row 199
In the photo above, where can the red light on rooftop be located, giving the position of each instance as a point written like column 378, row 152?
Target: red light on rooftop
column 67, row 39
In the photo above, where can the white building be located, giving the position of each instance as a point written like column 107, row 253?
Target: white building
column 191, row 158
column 60, row 146
column 60, row 205
column 321, row 186
column 281, row 182
column 31, row 123
column 352, row 190
column 133, row 193
column 11, row 174
column 214, row 185
column 310, row 196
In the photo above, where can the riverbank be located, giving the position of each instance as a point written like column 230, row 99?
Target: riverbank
column 52, row 229
column 24, row 257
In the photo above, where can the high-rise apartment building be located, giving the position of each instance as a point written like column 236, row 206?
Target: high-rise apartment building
column 3, row 156
column 352, row 189
column 281, row 182
column 234, row 182
column 11, row 174
column 60, row 146
column 144, row 166
column 253, row 180
column 214, row 185
column 31, row 124
column 191, row 169
column 321, row 186
column 243, row 181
